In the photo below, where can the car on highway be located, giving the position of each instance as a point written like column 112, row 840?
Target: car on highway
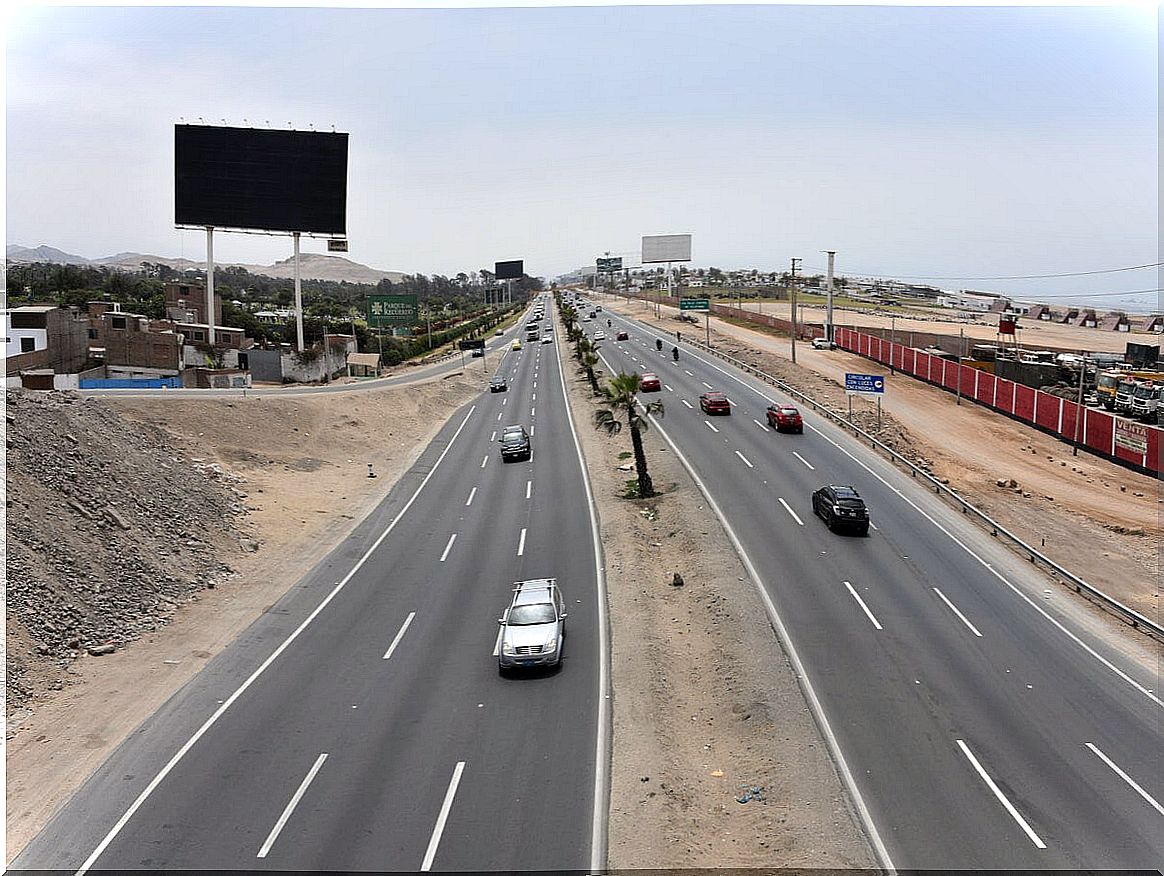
column 498, row 332
column 785, row 418
column 650, row 382
column 547, row 338
column 823, row 344
column 477, row 353
column 841, row 506
column 533, row 627
column 600, row 335
column 598, row 307
column 715, row 402
column 516, row 345
column 622, row 336
column 498, row 384
column 515, row 443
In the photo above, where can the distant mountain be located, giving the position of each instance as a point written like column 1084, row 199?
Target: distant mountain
column 312, row 266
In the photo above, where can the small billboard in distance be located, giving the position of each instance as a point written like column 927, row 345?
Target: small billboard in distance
column 261, row 179
column 509, row 270
column 666, row 248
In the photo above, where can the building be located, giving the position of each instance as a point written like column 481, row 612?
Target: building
column 126, row 341
column 41, row 336
column 186, row 302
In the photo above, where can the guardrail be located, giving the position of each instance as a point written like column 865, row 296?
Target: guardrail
column 1110, row 603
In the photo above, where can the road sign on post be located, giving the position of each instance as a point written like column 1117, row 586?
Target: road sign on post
column 473, row 344
column 392, row 310
column 864, row 384
column 610, row 265
column 703, row 304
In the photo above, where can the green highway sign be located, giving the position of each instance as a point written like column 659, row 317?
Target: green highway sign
column 695, row 304
column 392, row 310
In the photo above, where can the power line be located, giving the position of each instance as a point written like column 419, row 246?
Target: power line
column 1021, row 276
column 1094, row 294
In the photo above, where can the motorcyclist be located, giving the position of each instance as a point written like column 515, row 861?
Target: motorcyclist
column 675, row 353
column 608, row 323
column 659, row 344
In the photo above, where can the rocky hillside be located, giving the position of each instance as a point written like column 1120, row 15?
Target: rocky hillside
column 109, row 529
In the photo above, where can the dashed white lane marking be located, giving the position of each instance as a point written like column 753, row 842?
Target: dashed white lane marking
column 504, row 401
column 521, row 543
column 531, row 430
column 790, row 511
column 499, row 415
column 533, row 396
column 528, row 488
column 961, row 616
column 745, row 459
column 689, row 374
column 449, row 546
column 435, row 840
column 708, row 385
column 1119, row 772
column 274, row 834
column 666, row 387
column 802, row 459
column 711, row 427
column 864, row 607
column 484, row 460
column 497, row 642
column 1022, row 822
column 399, row 635
column 761, row 425
column 472, row 493
column 686, row 402
column 531, row 411
column 493, row 437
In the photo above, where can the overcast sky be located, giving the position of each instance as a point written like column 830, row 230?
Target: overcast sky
column 927, row 142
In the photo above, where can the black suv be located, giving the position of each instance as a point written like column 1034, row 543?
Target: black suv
column 515, row 443
column 498, row 384
column 841, row 506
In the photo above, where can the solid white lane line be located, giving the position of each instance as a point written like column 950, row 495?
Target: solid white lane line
column 1135, row 787
column 961, row 616
column 864, row 607
column 745, row 459
column 274, row 834
column 472, row 493
column 442, row 818
column 666, row 387
column 399, row 635
column 528, row 488
column 711, row 427
column 1001, row 797
column 484, row 460
column 761, row 425
column 449, row 546
column 686, row 402
column 521, row 543
column 802, row 459
column 790, row 511
column 708, row 385
column 283, row 646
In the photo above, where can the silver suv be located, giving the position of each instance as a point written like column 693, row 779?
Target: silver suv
column 533, row 626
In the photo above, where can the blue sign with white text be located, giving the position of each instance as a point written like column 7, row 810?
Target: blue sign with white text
column 865, row 384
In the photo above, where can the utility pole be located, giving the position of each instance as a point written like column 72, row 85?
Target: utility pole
column 829, row 288
column 1079, row 408
column 792, row 284
column 958, row 361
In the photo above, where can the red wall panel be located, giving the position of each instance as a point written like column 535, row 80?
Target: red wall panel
column 1047, row 410
column 1024, row 402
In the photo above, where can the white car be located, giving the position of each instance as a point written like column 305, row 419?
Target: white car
column 600, row 335
column 823, row 344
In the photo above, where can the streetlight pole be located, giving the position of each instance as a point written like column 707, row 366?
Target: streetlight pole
column 792, row 283
column 892, row 340
column 1079, row 408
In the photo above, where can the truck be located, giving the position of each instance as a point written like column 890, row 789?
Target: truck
column 1145, row 401
column 1124, row 391
column 1108, row 381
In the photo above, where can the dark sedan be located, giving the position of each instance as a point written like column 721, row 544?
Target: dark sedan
column 498, row 384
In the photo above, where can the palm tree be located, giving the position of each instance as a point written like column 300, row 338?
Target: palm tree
column 618, row 398
column 588, row 356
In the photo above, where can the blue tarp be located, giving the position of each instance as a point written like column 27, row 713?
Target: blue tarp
column 131, row 383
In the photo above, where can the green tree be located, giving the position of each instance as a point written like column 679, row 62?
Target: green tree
column 619, row 400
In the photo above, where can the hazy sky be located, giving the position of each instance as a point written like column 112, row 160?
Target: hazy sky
column 937, row 142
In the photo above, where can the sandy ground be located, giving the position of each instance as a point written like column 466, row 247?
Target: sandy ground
column 707, row 708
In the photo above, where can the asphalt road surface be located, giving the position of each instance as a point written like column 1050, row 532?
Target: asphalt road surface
column 361, row 723
column 979, row 722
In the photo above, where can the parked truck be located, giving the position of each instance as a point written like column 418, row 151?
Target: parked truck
column 1124, row 391
column 1145, row 401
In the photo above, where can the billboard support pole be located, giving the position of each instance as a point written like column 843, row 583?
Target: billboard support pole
column 298, row 295
column 210, row 283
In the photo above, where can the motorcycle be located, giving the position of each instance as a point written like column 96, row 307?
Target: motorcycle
column 659, row 345
column 675, row 353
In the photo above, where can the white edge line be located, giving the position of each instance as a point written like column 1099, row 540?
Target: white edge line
column 294, row 801
column 788, row 508
column 601, row 798
column 802, row 676
column 218, row 713
column 1012, row 586
column 439, row 827
column 399, row 635
column 1119, row 772
column 1014, row 813
column 961, row 616
column 864, row 607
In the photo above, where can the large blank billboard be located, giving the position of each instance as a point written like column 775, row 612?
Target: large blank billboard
column 260, row 179
column 666, row 248
column 509, row 270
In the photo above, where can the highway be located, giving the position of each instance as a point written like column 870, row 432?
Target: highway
column 361, row 723
column 979, row 723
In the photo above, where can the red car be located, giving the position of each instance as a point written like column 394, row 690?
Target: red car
column 785, row 418
column 621, row 336
column 715, row 402
column 650, row 383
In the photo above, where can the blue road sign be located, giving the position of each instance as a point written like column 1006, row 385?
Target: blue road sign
column 864, row 384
